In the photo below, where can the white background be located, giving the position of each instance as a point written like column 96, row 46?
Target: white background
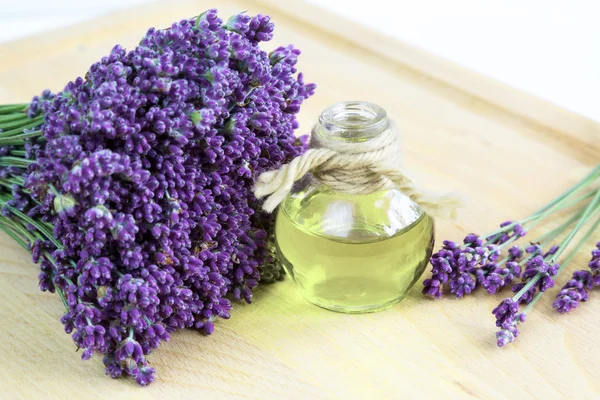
column 550, row 48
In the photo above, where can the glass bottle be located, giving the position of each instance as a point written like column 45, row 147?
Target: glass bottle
column 347, row 252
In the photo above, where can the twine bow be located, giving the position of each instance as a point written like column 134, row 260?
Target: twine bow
column 355, row 167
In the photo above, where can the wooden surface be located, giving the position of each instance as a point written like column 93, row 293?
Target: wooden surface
column 506, row 151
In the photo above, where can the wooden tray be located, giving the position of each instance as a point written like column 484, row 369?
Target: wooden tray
column 506, row 151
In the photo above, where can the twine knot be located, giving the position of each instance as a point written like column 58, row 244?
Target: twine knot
column 354, row 167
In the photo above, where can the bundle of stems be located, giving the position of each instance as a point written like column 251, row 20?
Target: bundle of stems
column 528, row 268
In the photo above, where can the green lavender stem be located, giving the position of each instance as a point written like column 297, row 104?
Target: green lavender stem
column 21, row 123
column 554, row 208
column 550, row 236
column 529, row 306
column 555, row 205
column 590, row 177
column 6, row 184
column 19, row 139
column 17, row 160
column 13, row 108
column 583, row 240
column 567, row 260
column 17, row 230
column 590, row 210
column 36, row 123
column 26, row 219
column 4, row 118
column 14, row 236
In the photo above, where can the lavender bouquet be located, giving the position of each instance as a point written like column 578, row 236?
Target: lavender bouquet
column 132, row 187
column 531, row 269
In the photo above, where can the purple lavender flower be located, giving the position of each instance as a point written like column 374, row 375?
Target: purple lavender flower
column 484, row 272
column 494, row 281
column 515, row 253
column 144, row 375
column 462, row 285
column 507, row 318
column 260, row 29
column 145, row 175
column 506, row 312
column 238, row 23
column 474, row 263
column 594, row 263
column 509, row 331
column 501, row 276
column 537, row 268
column 514, row 232
column 433, row 287
column 577, row 289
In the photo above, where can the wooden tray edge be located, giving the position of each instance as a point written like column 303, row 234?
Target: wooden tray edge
column 567, row 127
column 538, row 113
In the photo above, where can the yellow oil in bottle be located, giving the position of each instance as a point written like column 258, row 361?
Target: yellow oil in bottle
column 353, row 253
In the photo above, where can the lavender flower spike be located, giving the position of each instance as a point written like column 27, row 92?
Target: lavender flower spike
column 135, row 189
column 464, row 267
column 509, row 331
column 577, row 289
column 506, row 312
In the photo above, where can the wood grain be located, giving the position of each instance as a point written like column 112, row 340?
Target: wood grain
column 506, row 151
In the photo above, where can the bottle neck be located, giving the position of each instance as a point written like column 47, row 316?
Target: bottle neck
column 352, row 121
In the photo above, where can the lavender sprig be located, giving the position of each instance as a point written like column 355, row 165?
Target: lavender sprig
column 577, row 289
column 503, row 272
column 133, row 186
column 464, row 267
column 507, row 316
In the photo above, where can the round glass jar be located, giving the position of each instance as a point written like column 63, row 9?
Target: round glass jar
column 347, row 252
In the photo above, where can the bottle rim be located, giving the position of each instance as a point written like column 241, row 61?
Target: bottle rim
column 354, row 120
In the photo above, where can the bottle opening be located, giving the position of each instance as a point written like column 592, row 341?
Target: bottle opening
column 353, row 120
